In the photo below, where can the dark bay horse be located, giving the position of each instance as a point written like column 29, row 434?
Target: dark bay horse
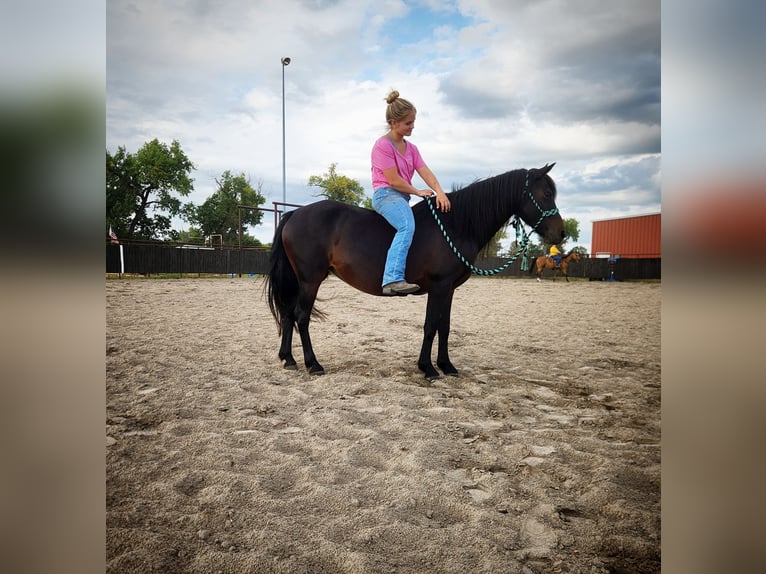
column 547, row 262
column 352, row 242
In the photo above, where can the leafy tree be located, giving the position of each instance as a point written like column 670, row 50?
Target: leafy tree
column 194, row 235
column 533, row 249
column 120, row 194
column 581, row 250
column 142, row 189
column 220, row 214
column 571, row 231
column 493, row 248
column 339, row 187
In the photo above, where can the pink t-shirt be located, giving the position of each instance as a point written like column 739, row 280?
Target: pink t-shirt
column 385, row 155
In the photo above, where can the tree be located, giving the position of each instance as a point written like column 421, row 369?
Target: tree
column 142, row 189
column 193, row 235
column 581, row 250
column 120, row 194
column 492, row 249
column 533, row 249
column 339, row 187
column 220, row 214
column 571, row 231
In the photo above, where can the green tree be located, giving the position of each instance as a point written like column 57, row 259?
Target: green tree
column 339, row 187
column 493, row 248
column 142, row 190
column 120, row 194
column 571, row 231
column 220, row 214
column 533, row 249
column 193, row 235
column 581, row 250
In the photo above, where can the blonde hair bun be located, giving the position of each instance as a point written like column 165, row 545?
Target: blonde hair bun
column 392, row 97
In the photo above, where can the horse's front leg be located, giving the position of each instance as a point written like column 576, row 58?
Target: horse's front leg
column 443, row 329
column 437, row 308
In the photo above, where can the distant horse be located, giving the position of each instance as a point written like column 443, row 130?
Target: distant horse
column 547, row 262
column 352, row 242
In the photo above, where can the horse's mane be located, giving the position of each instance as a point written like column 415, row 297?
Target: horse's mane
column 480, row 209
column 482, row 204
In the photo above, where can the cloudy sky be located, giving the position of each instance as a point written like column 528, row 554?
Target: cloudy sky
column 498, row 85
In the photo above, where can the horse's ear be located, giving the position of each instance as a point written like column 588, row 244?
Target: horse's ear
column 547, row 167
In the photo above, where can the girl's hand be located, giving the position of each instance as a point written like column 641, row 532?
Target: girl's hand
column 442, row 202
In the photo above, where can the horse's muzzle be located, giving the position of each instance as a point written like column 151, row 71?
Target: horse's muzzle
column 553, row 231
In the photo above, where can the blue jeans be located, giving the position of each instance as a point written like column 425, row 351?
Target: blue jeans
column 395, row 207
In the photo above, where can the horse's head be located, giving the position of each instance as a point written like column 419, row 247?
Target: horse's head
column 538, row 206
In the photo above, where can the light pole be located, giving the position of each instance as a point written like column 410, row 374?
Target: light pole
column 285, row 62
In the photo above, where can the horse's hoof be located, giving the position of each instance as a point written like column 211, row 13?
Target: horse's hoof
column 291, row 366
column 448, row 369
column 316, row 371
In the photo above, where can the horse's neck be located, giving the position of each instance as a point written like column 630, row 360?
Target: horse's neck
column 505, row 202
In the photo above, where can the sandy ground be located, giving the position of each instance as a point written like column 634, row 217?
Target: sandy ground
column 543, row 456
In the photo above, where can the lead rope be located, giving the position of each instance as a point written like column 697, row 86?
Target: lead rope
column 522, row 237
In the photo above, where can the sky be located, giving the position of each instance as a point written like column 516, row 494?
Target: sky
column 498, row 85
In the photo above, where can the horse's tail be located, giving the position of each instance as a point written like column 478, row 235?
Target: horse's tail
column 281, row 283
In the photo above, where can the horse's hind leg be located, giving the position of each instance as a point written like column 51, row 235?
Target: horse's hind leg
column 303, row 316
column 286, row 347
column 437, row 320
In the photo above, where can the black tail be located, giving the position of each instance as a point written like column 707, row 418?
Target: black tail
column 282, row 283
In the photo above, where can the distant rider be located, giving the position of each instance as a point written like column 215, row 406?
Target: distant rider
column 556, row 254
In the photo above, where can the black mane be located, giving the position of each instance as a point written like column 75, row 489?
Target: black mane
column 480, row 209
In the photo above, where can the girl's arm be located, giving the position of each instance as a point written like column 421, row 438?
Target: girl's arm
column 442, row 201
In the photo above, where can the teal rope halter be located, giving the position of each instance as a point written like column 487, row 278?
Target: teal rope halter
column 522, row 237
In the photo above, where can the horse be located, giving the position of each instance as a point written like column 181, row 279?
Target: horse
column 547, row 262
column 352, row 242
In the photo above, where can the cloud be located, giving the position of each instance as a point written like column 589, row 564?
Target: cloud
column 558, row 62
column 498, row 85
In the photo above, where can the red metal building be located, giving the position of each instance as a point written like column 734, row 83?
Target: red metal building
column 628, row 237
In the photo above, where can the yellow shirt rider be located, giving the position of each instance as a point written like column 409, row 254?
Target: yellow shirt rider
column 556, row 254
